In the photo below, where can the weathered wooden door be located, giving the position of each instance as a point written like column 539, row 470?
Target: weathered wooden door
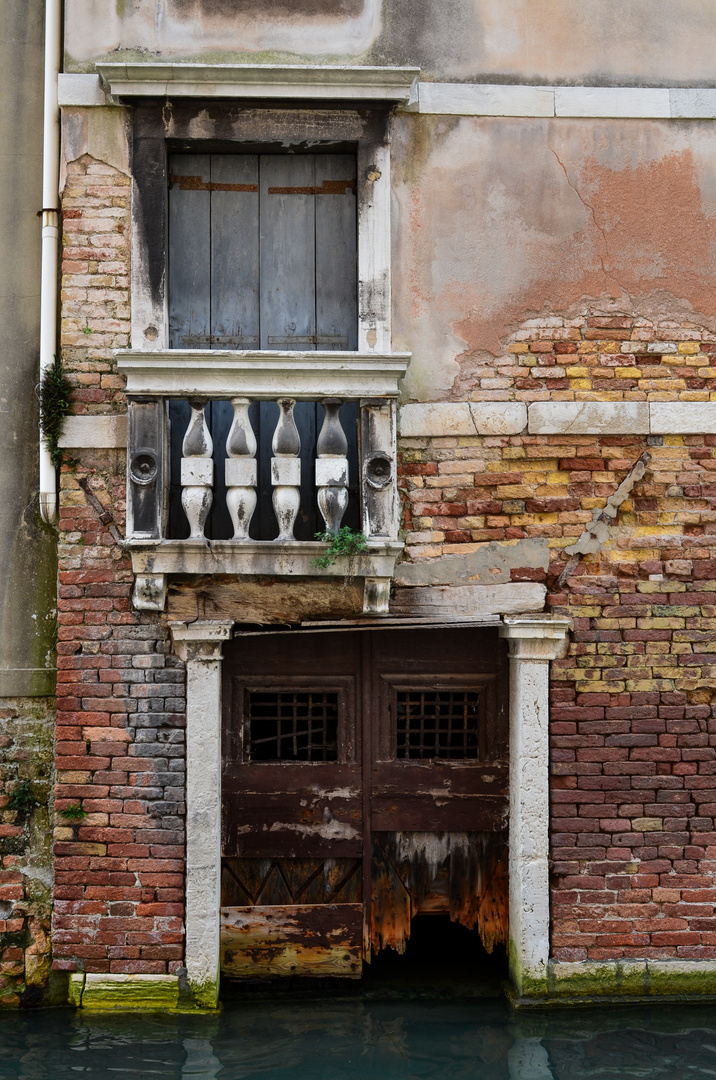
column 262, row 255
column 364, row 782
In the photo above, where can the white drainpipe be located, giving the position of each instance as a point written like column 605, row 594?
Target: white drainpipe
column 50, row 235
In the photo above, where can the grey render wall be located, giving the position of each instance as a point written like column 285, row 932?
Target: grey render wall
column 27, row 559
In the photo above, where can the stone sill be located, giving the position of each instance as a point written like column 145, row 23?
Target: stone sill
column 261, row 374
column 262, row 81
column 257, row 557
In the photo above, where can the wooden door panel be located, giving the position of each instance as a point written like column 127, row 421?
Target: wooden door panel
column 292, row 810
column 308, row 940
column 425, row 834
column 247, row 881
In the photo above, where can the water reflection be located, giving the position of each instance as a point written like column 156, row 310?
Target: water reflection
column 357, row 1039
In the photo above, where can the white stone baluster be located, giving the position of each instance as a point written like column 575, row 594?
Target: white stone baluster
column 240, row 469
column 197, row 470
column 286, row 470
column 332, row 467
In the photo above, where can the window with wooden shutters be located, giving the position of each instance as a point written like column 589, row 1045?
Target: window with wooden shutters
column 262, row 251
column 262, row 255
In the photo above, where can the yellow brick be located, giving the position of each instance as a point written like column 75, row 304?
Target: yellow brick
column 610, row 346
column 580, row 384
column 656, row 530
column 518, row 347
column 627, row 373
column 577, row 372
column 587, row 347
column 689, row 347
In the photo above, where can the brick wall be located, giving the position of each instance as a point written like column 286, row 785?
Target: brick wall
column 634, row 704
column 598, row 357
column 119, row 870
column 25, row 851
column 633, row 831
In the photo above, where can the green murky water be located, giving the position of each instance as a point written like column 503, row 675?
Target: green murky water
column 346, row 1038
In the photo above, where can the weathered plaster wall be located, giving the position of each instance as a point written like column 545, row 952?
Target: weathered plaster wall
column 27, row 586
column 594, row 41
column 497, row 220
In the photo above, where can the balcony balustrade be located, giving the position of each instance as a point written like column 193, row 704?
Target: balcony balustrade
column 238, row 479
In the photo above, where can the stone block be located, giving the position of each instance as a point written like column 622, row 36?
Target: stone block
column 588, row 418
column 95, row 432
column 467, row 99
column 445, row 418
column 683, row 417
column 608, row 101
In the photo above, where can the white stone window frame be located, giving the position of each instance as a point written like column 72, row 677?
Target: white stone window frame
column 212, row 107
column 312, row 103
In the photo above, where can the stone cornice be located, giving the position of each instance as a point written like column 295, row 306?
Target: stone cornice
column 285, row 82
column 301, row 375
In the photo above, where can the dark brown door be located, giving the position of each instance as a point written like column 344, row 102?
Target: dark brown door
column 364, row 781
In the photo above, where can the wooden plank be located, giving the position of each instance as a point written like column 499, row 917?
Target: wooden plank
column 265, row 600
column 303, row 940
column 440, row 780
column 189, row 253
column 270, row 882
column 234, row 251
column 407, row 813
column 292, row 810
column 288, row 271
column 336, row 254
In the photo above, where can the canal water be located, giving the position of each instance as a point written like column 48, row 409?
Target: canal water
column 359, row 1038
column 436, row 1013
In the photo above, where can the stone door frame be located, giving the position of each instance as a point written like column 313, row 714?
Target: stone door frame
column 533, row 641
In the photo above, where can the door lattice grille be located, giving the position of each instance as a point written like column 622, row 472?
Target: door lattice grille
column 438, row 724
column 292, row 726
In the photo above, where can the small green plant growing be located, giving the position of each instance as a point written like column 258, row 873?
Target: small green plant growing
column 21, row 797
column 55, row 390
column 345, row 543
column 73, row 812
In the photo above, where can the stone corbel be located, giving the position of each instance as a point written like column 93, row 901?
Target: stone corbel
column 150, row 592
column 199, row 644
column 533, row 641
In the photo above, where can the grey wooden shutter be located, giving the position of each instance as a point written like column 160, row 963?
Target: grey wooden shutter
column 262, row 254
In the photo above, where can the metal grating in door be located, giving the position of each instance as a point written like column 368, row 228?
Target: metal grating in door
column 437, row 724
column 290, row 725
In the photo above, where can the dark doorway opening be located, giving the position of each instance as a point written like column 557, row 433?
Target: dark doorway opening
column 441, row 959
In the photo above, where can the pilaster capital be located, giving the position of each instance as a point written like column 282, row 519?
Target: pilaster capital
column 200, row 641
column 536, row 637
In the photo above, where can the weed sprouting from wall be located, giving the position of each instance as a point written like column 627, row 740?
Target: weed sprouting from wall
column 55, row 391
